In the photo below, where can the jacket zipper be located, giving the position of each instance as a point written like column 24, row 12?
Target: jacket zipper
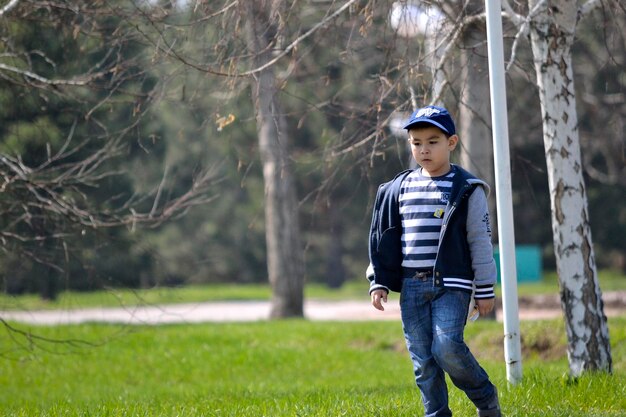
column 444, row 225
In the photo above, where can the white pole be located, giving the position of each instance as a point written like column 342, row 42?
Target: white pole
column 512, row 346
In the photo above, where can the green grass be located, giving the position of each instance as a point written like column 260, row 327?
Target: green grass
column 354, row 290
column 281, row 368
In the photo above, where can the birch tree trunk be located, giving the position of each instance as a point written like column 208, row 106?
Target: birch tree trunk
column 282, row 231
column 552, row 35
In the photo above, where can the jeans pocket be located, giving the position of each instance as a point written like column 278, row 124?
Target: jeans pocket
column 450, row 310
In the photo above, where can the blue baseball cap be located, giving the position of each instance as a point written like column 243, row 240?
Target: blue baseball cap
column 436, row 116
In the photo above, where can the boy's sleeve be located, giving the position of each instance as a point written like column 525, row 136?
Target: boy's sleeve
column 369, row 274
column 479, row 240
column 385, row 238
column 374, row 235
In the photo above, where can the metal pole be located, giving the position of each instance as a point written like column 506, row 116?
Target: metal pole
column 512, row 346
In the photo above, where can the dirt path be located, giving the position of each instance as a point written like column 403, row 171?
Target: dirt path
column 530, row 308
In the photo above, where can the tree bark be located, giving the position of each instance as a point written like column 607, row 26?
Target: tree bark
column 552, row 35
column 282, row 231
column 335, row 270
column 474, row 112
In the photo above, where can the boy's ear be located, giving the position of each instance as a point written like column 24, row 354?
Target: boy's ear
column 452, row 142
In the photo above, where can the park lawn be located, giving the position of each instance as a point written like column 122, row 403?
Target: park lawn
column 351, row 290
column 292, row 368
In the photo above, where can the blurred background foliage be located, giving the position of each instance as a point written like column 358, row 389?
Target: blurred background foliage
column 191, row 120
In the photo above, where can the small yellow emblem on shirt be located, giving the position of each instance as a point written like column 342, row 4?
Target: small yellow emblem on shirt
column 439, row 213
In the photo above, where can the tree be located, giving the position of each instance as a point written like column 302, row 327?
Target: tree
column 66, row 130
column 284, row 250
column 256, row 48
column 474, row 110
column 552, row 27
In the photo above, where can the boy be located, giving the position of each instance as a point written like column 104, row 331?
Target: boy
column 430, row 240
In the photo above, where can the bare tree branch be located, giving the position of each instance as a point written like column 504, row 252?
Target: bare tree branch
column 301, row 38
column 511, row 14
column 7, row 7
column 588, row 7
column 523, row 27
column 82, row 81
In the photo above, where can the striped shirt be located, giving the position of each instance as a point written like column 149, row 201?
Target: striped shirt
column 422, row 203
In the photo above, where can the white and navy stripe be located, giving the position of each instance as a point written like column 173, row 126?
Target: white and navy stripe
column 422, row 203
column 484, row 291
column 458, row 283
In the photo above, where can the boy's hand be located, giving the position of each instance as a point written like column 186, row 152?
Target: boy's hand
column 485, row 305
column 377, row 297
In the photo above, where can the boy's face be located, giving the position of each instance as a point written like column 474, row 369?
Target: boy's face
column 431, row 149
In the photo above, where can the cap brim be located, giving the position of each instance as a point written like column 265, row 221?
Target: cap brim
column 424, row 120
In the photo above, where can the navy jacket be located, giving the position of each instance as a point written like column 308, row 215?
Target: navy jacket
column 465, row 254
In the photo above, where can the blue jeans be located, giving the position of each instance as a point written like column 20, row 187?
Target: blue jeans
column 433, row 319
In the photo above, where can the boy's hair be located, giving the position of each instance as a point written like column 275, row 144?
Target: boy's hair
column 432, row 115
column 423, row 125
